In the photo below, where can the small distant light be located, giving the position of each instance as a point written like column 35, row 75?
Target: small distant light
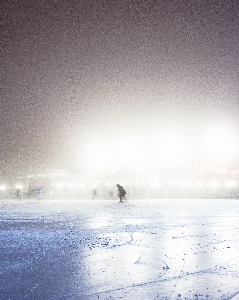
column 2, row 187
column 18, row 186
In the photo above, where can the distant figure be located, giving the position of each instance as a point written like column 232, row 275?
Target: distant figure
column 110, row 194
column 39, row 192
column 121, row 193
column 18, row 194
column 94, row 194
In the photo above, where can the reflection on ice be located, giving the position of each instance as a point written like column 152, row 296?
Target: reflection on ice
column 100, row 250
column 98, row 221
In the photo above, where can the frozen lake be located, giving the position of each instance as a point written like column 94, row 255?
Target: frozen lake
column 142, row 249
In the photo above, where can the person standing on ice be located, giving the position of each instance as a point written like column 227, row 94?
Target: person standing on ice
column 18, row 194
column 121, row 193
column 39, row 191
column 94, row 194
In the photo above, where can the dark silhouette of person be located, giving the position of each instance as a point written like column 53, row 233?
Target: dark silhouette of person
column 94, row 194
column 110, row 194
column 39, row 192
column 18, row 194
column 121, row 192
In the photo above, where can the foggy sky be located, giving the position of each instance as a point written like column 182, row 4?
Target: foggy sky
column 72, row 69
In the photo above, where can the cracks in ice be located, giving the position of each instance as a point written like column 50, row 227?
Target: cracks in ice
column 235, row 295
column 153, row 282
column 126, row 243
column 139, row 258
column 180, row 274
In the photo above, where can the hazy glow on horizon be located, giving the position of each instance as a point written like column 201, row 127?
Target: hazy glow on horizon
column 100, row 81
column 220, row 143
column 173, row 148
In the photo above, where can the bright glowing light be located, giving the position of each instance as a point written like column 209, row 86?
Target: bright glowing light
column 172, row 181
column 97, row 150
column 95, row 184
column 154, row 182
column 199, row 184
column 172, row 147
column 131, row 150
column 186, row 183
column 82, row 185
column 231, row 183
column 97, row 155
column 70, row 185
column 18, row 186
column 214, row 184
column 220, row 143
column 59, row 185
column 2, row 187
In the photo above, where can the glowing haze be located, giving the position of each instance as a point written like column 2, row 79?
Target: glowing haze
column 118, row 81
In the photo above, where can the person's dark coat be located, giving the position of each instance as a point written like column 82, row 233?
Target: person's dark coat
column 122, row 191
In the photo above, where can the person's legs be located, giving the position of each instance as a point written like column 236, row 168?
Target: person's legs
column 120, row 196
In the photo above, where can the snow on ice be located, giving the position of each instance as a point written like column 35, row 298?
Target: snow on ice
column 142, row 249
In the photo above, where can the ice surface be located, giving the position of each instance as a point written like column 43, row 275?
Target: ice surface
column 142, row 249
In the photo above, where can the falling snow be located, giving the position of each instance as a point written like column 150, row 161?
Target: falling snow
column 102, row 88
column 71, row 68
